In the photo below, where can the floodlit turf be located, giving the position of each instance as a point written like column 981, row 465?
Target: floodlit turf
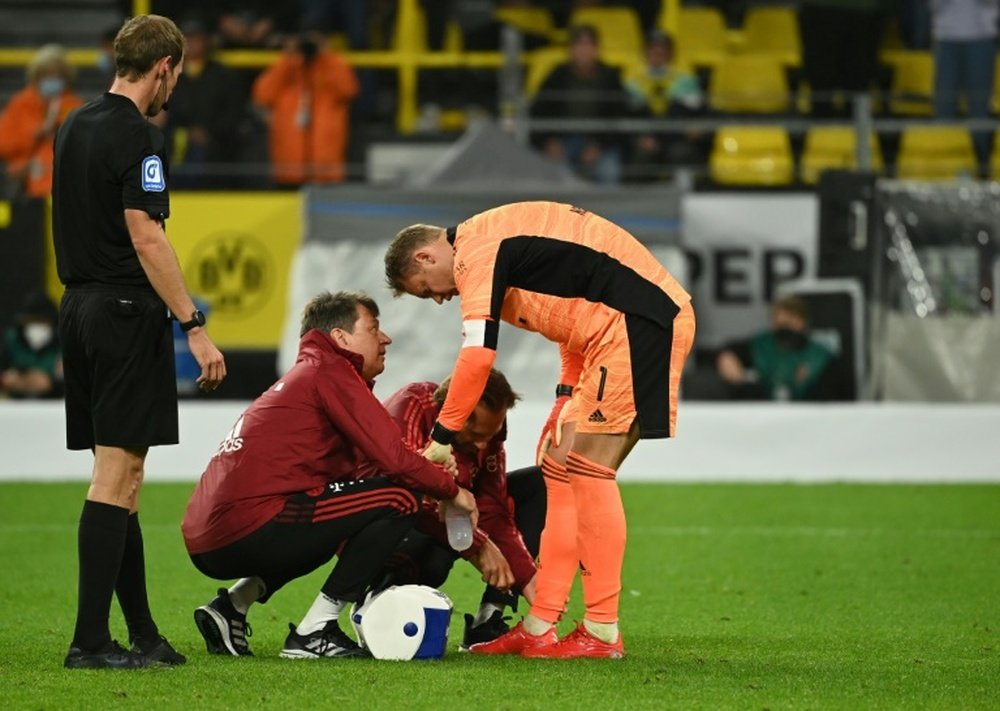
column 735, row 597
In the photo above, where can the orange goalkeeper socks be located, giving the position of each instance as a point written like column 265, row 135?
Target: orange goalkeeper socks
column 558, row 557
column 601, row 519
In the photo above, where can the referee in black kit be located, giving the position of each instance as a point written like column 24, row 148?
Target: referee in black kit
column 109, row 205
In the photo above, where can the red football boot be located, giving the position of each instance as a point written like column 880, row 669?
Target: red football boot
column 576, row 645
column 516, row 641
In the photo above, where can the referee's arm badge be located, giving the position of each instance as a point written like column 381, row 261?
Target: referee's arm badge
column 152, row 175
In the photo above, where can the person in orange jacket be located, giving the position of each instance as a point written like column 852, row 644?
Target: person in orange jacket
column 307, row 94
column 29, row 122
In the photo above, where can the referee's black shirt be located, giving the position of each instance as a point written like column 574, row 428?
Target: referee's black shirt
column 108, row 158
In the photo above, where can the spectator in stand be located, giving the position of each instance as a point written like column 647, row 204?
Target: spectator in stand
column 29, row 122
column 206, row 109
column 780, row 363
column 965, row 47
column 656, row 89
column 583, row 88
column 254, row 24
column 915, row 24
column 307, row 95
column 30, row 357
column 349, row 16
column 840, row 40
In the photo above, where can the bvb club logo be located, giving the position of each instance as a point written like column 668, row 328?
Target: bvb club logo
column 233, row 272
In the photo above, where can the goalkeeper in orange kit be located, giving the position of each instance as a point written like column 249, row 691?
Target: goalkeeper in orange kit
column 624, row 328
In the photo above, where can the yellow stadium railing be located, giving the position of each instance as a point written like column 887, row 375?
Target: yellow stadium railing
column 406, row 59
column 405, row 63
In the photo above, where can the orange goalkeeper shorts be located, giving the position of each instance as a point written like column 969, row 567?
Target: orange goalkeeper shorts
column 634, row 372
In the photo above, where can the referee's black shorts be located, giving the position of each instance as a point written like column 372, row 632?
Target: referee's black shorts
column 118, row 362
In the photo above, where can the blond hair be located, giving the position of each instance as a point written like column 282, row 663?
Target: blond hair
column 143, row 41
column 48, row 56
column 399, row 262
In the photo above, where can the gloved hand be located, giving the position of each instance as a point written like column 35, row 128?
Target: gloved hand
column 552, row 431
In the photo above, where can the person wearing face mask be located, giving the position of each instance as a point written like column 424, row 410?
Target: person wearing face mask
column 29, row 122
column 109, row 208
column 781, row 363
column 30, row 358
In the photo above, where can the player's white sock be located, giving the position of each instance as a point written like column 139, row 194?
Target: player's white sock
column 535, row 625
column 322, row 611
column 246, row 592
column 486, row 611
column 604, row 631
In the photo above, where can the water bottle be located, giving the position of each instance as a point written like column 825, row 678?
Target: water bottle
column 459, row 527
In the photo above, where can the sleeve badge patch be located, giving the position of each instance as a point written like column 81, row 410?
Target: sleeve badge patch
column 152, row 175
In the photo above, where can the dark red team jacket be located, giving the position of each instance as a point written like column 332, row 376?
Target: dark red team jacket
column 415, row 412
column 319, row 423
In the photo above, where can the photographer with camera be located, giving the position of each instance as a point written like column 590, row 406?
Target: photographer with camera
column 306, row 97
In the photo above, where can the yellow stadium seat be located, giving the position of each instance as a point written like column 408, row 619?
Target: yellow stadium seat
column 935, row 153
column 669, row 16
column 829, row 147
column 618, row 28
column 752, row 156
column 410, row 33
column 529, row 20
column 743, row 84
column 773, row 31
column 912, row 86
column 701, row 36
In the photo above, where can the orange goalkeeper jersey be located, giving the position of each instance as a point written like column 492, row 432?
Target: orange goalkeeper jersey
column 552, row 268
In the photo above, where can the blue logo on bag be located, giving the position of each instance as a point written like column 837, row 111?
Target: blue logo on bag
column 152, row 175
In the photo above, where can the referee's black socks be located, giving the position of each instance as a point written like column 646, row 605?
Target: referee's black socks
column 131, row 586
column 100, row 543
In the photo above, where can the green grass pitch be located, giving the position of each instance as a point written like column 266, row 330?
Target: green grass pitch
column 735, row 597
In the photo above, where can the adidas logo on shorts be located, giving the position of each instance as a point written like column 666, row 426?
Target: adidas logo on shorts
column 597, row 416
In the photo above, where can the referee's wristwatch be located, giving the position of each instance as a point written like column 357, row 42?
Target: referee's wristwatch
column 197, row 319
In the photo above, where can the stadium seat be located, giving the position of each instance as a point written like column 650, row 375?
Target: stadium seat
column 749, row 84
column 529, row 20
column 701, row 36
column 668, row 18
column 773, row 31
column 912, row 87
column 829, row 147
column 752, row 156
column 410, row 33
column 617, row 27
column 935, row 153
